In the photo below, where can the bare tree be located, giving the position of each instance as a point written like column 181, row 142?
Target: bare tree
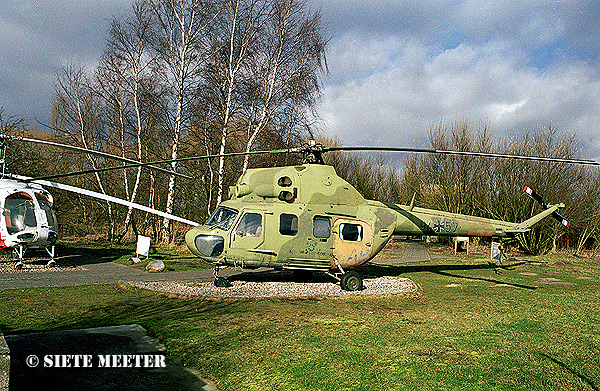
column 287, row 69
column 76, row 113
column 180, row 45
column 241, row 25
column 123, row 74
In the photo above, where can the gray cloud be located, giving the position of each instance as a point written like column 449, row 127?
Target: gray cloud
column 38, row 37
column 396, row 67
column 514, row 65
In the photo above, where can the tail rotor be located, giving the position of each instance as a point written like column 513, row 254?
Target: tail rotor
column 531, row 193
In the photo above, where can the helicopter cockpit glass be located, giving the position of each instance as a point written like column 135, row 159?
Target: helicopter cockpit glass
column 19, row 212
column 46, row 206
column 209, row 245
column 250, row 225
column 222, row 218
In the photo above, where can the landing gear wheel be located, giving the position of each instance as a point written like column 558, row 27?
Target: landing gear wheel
column 222, row 282
column 351, row 281
column 51, row 263
column 19, row 265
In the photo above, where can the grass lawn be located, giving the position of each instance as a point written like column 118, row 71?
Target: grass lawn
column 532, row 325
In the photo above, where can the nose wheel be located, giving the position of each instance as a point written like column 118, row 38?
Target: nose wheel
column 221, row 282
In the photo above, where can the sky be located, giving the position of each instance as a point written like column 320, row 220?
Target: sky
column 396, row 68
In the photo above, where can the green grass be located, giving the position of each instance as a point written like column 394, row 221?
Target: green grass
column 532, row 325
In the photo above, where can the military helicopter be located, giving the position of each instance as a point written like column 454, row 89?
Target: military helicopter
column 306, row 217
column 28, row 219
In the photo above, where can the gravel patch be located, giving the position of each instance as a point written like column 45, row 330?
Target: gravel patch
column 251, row 289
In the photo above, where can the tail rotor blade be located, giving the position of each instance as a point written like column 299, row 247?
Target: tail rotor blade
column 531, row 193
column 561, row 219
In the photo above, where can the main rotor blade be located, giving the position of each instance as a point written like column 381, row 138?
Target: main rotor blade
column 107, row 198
column 183, row 159
column 97, row 153
column 464, row 153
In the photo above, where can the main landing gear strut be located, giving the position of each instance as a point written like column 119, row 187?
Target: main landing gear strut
column 349, row 280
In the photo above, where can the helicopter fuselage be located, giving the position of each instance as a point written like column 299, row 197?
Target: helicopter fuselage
column 307, row 217
column 299, row 217
column 28, row 220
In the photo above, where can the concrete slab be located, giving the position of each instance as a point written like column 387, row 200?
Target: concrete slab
column 4, row 363
column 102, row 358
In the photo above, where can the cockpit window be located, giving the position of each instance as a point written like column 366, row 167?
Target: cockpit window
column 222, row 218
column 19, row 212
column 46, row 206
column 250, row 225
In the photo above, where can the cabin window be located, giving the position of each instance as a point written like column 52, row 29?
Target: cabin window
column 222, row 218
column 351, row 232
column 19, row 212
column 321, row 227
column 250, row 225
column 288, row 224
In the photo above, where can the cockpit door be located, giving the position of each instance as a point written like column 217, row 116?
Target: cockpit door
column 247, row 237
column 248, row 232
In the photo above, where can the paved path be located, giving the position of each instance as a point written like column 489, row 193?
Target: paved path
column 81, row 269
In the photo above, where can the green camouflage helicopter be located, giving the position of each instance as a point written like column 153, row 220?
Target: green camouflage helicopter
column 305, row 217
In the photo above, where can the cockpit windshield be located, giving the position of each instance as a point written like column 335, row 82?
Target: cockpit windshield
column 19, row 212
column 46, row 206
column 222, row 218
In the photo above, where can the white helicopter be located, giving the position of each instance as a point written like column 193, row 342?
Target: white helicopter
column 28, row 219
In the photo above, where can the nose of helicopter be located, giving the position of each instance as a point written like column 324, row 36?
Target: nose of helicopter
column 205, row 242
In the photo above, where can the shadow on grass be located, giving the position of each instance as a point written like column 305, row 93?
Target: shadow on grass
column 375, row 271
column 68, row 256
column 445, row 270
column 145, row 309
column 572, row 371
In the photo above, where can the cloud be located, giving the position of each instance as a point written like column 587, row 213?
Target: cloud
column 38, row 37
column 395, row 92
column 516, row 65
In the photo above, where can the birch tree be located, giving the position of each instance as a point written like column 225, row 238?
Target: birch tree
column 180, row 46
column 287, row 69
column 241, row 25
column 123, row 72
